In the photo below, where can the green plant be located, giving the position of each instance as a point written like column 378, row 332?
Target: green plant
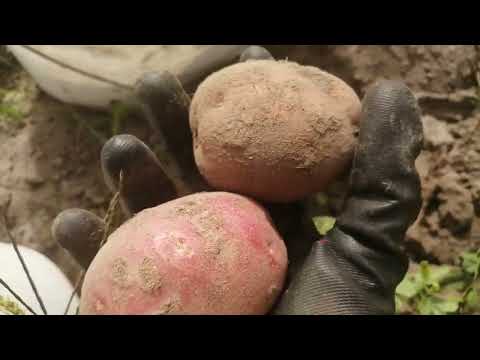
column 324, row 224
column 441, row 289
column 120, row 111
column 103, row 126
column 12, row 107
column 10, row 307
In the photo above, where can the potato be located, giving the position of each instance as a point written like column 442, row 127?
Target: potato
column 207, row 253
column 273, row 130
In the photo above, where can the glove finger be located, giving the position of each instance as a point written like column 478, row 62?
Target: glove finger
column 144, row 183
column 255, row 53
column 80, row 232
column 213, row 59
column 166, row 106
column 356, row 269
column 384, row 180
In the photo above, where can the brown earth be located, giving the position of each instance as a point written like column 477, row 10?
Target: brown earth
column 445, row 79
column 49, row 162
column 49, row 157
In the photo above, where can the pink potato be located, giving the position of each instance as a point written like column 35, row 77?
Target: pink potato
column 207, row 253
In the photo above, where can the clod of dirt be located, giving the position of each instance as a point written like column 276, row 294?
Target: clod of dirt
column 476, row 196
column 475, row 234
column 436, row 132
column 456, row 208
column 34, row 181
column 450, row 192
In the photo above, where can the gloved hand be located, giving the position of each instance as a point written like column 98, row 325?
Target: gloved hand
column 356, row 267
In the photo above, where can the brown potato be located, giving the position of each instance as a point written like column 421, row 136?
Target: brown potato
column 274, row 130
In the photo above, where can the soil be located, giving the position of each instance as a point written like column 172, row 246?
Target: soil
column 49, row 158
column 445, row 79
column 49, row 162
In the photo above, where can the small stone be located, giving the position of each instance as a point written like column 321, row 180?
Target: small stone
column 443, row 234
column 76, row 191
column 57, row 162
column 476, row 196
column 423, row 164
column 475, row 231
column 456, row 210
column 84, row 156
column 34, row 181
column 80, row 170
column 39, row 155
column 436, row 132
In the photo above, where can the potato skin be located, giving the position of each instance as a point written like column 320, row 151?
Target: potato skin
column 273, row 130
column 207, row 253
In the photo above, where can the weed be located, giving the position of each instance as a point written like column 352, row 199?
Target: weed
column 10, row 307
column 441, row 289
column 12, row 107
column 324, row 224
column 103, row 126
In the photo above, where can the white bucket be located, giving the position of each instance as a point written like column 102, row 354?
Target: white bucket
column 52, row 285
column 95, row 75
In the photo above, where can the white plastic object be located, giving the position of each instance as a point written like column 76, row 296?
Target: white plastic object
column 52, row 285
column 63, row 71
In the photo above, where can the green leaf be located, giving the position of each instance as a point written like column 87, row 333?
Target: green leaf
column 444, row 273
column 324, row 224
column 472, row 301
column 425, row 271
column 434, row 276
column 402, row 305
column 432, row 305
column 410, row 287
column 120, row 111
column 447, row 306
column 455, row 286
column 399, row 304
column 430, row 284
column 472, row 298
column 9, row 112
column 10, row 307
column 471, row 263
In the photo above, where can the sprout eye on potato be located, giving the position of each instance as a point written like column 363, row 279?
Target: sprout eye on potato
column 273, row 130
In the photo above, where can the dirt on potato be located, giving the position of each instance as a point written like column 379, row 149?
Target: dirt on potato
column 276, row 131
column 221, row 255
column 49, row 162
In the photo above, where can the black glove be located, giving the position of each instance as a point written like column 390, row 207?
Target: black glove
column 356, row 268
